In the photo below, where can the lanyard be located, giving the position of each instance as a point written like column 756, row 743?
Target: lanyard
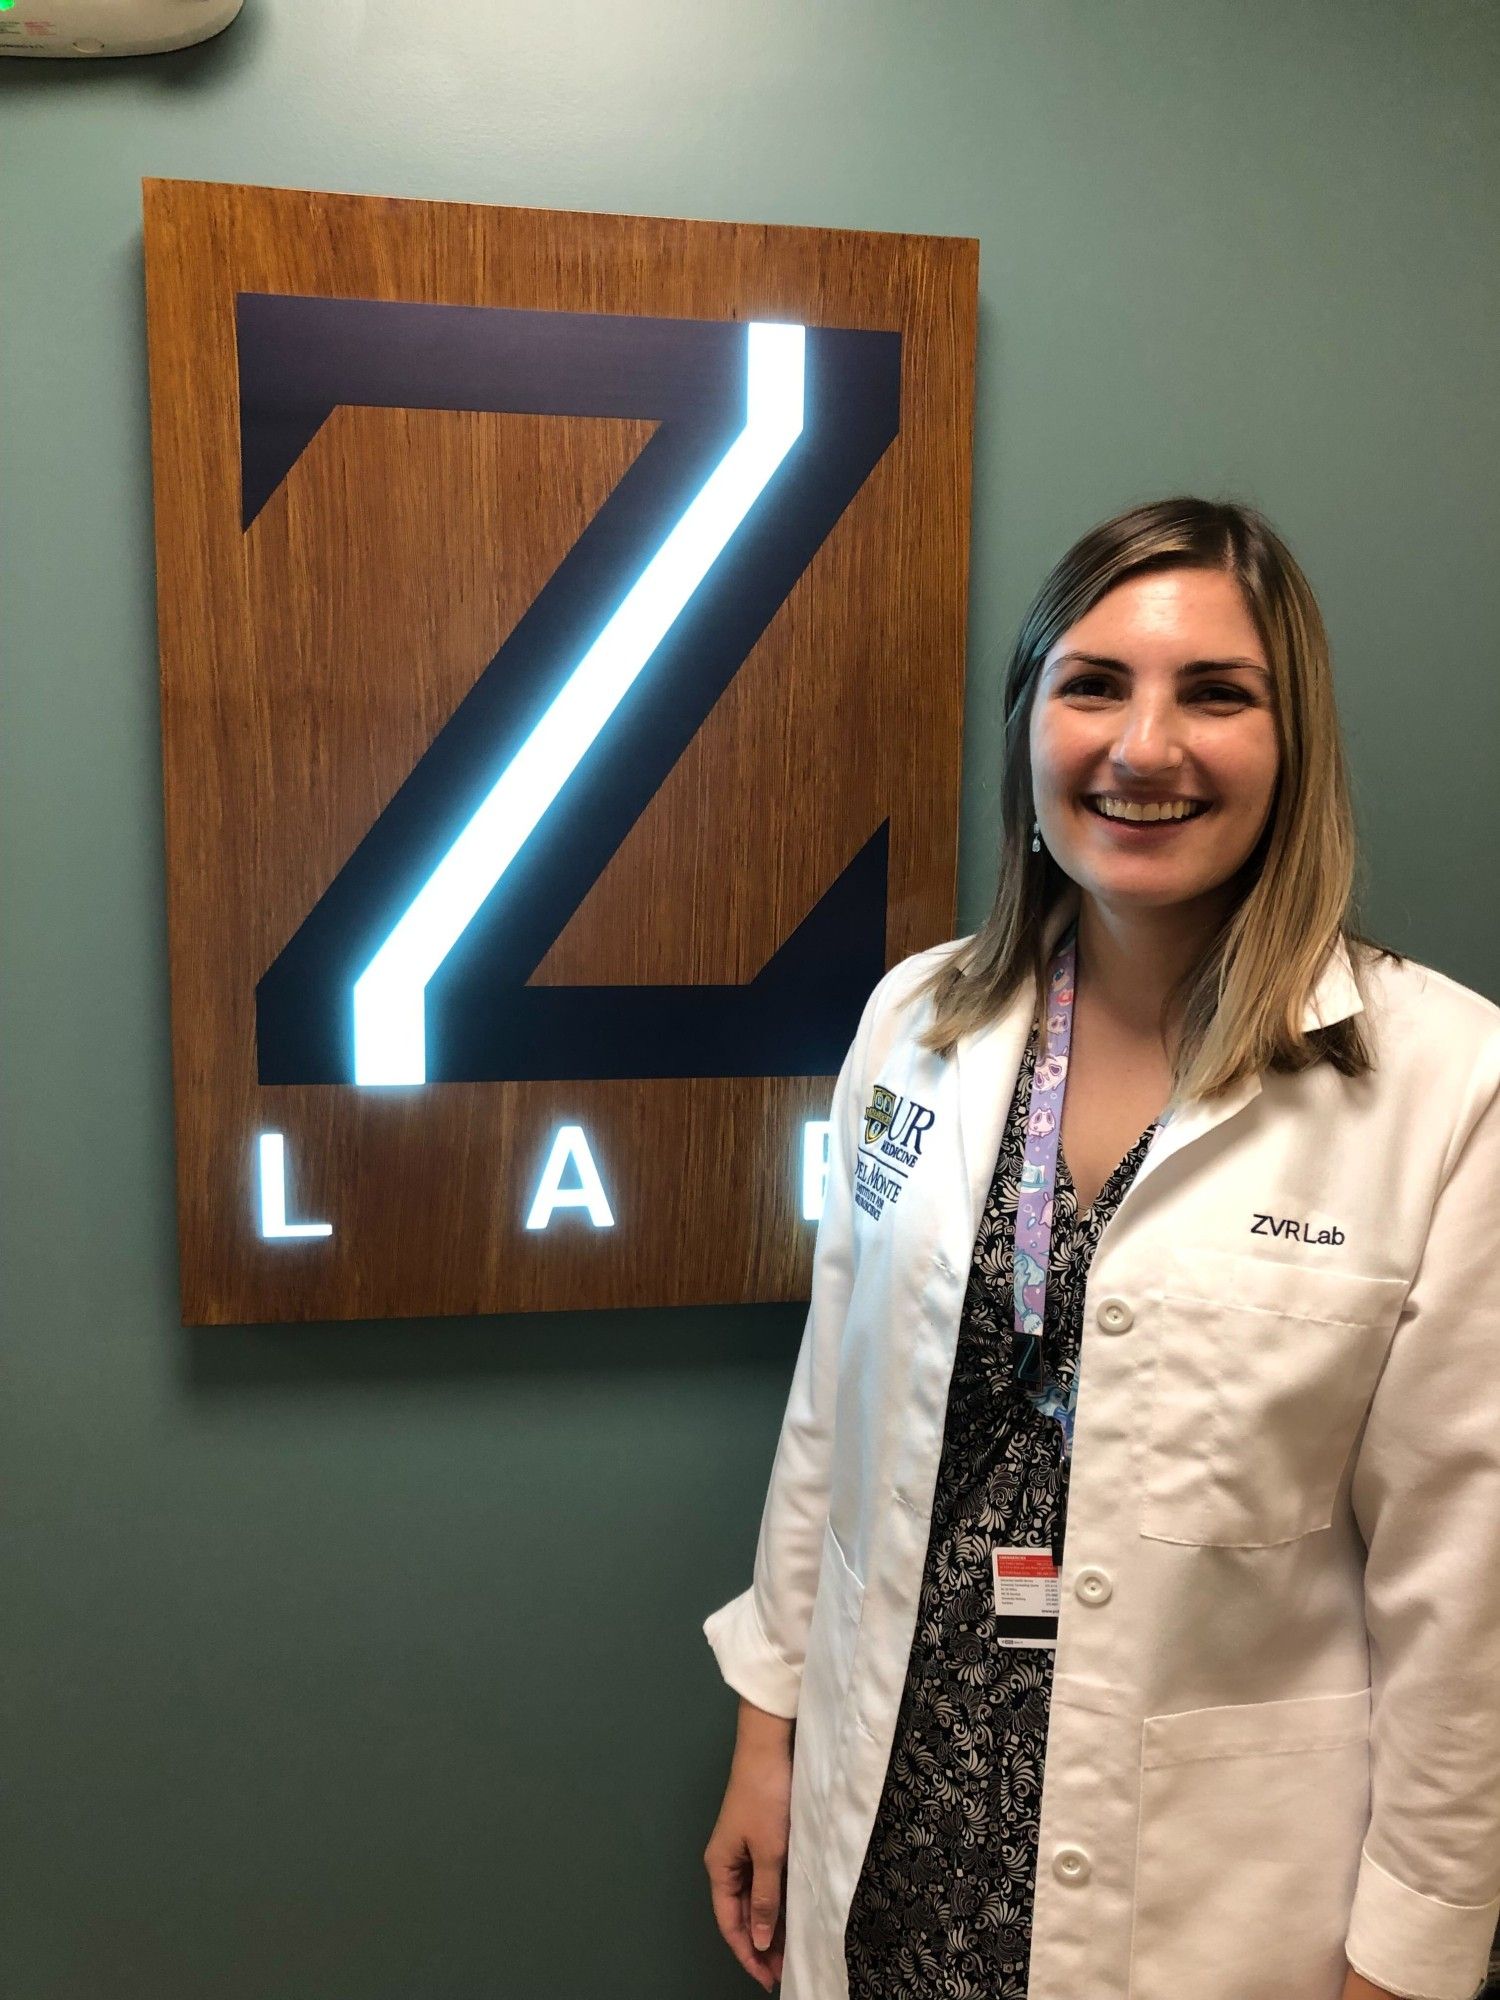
column 1049, row 1083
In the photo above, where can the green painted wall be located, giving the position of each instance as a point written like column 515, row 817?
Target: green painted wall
column 363, row 1663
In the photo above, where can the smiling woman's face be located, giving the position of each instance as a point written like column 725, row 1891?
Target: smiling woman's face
column 1136, row 719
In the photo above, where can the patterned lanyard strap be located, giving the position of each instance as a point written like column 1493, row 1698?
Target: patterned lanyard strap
column 1049, row 1083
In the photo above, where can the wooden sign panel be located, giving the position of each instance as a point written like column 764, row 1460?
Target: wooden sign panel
column 562, row 625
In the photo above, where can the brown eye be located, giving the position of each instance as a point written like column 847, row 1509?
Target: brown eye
column 1085, row 682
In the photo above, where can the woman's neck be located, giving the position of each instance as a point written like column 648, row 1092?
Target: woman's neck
column 1129, row 959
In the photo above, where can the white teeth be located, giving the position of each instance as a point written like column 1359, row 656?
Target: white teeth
column 1109, row 808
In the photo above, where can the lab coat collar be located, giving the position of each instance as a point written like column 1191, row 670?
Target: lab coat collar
column 988, row 1058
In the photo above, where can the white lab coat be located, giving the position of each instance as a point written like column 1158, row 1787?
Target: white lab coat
column 1275, row 1722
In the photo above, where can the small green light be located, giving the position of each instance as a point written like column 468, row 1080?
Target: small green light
column 6, row 5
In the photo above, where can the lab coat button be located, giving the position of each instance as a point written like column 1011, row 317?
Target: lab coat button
column 1093, row 1586
column 1071, row 1865
column 1114, row 1316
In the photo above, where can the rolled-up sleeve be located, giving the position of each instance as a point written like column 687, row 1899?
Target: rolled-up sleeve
column 760, row 1637
column 1426, row 1495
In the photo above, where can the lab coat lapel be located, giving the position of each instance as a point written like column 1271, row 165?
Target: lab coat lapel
column 1334, row 997
column 988, row 1059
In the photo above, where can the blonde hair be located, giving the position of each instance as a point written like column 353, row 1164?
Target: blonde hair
column 1241, row 1006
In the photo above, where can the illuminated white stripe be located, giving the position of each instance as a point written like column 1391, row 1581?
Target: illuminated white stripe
column 273, row 1220
column 817, row 1139
column 390, row 1031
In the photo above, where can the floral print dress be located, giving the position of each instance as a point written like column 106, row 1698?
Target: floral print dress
column 942, row 1908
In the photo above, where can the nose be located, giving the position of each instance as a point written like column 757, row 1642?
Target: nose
column 1147, row 742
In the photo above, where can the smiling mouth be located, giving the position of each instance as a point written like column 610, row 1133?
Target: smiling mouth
column 1128, row 812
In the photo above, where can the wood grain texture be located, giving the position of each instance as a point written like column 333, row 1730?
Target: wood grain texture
column 308, row 662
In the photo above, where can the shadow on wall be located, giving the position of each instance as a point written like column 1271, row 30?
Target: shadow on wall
column 677, row 1339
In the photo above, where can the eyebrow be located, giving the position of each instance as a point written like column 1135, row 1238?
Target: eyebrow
column 1191, row 667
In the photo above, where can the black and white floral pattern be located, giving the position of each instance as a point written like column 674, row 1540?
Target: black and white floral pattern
column 942, row 1909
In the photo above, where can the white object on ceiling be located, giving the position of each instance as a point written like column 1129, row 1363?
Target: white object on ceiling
column 82, row 28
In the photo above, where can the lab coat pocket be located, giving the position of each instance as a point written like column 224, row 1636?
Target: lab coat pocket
column 823, row 1702
column 1247, row 1854
column 1263, row 1373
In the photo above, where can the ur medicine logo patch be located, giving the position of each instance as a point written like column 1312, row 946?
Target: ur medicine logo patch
column 878, row 1113
column 894, row 1130
column 896, row 1125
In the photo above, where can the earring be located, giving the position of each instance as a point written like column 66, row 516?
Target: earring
column 1036, row 837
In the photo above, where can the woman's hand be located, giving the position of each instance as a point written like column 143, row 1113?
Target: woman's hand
column 1357, row 1987
column 746, row 1853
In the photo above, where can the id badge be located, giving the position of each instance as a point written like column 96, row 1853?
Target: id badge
column 1027, row 1596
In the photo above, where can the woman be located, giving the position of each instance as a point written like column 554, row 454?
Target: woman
column 1146, row 1426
